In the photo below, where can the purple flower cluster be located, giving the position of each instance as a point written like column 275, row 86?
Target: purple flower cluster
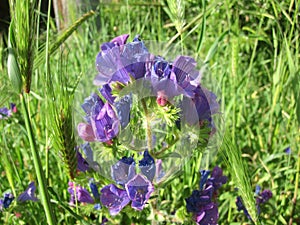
column 120, row 63
column 7, row 112
column 261, row 198
column 134, row 188
column 202, row 202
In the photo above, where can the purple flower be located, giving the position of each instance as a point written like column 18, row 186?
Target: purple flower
column 241, row 207
column 114, row 198
column 81, row 194
column 106, row 92
column 94, row 189
column 123, row 107
column 28, row 194
column 199, row 199
column 288, row 150
column 207, row 215
column 123, row 170
column 5, row 113
column 216, row 179
column 201, row 203
column 147, row 166
column 159, row 173
column 85, row 131
column 204, row 177
column 184, row 68
column 205, row 102
column 139, row 190
column 103, row 124
column 6, row 201
column 136, row 59
column 264, row 196
column 82, row 164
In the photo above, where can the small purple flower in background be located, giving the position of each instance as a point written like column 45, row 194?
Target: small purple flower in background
column 82, row 195
column 288, row 150
column 241, row 207
column 6, row 201
column 28, row 194
column 5, row 112
column 261, row 198
column 147, row 166
column 139, row 190
column 94, row 190
column 114, row 198
column 201, row 203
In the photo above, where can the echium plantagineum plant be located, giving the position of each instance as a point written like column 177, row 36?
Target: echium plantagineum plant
column 147, row 118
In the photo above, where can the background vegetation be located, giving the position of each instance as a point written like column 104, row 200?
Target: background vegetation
column 254, row 60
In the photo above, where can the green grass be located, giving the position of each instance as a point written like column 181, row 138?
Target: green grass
column 252, row 52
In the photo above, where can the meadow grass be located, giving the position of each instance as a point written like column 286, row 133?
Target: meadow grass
column 252, row 52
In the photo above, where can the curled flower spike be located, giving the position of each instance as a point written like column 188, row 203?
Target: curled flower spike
column 28, row 194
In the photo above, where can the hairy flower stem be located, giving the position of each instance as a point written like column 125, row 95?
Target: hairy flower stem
column 148, row 127
column 51, row 219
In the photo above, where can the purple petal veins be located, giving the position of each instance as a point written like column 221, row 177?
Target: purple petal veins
column 139, row 190
column 114, row 198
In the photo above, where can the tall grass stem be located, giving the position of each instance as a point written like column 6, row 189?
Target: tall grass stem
column 51, row 219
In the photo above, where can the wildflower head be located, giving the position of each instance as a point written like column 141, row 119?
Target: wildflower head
column 6, row 201
column 114, row 198
column 103, row 124
column 147, row 166
column 123, row 170
column 28, row 194
column 79, row 194
column 139, row 189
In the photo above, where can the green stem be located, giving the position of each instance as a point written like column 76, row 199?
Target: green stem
column 51, row 219
column 294, row 200
column 148, row 127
